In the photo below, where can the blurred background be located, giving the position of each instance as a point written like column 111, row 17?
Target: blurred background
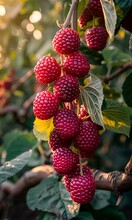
column 26, row 32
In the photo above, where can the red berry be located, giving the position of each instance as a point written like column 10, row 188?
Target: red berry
column 96, row 38
column 88, row 138
column 66, row 88
column 85, row 17
column 64, row 160
column 66, row 123
column 45, row 105
column 56, row 141
column 66, row 41
column 47, row 69
column 95, row 8
column 76, row 64
column 75, row 173
column 82, row 188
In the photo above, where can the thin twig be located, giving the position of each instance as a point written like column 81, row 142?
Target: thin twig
column 22, row 80
column 119, row 71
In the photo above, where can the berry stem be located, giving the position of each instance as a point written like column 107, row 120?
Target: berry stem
column 80, row 162
column 74, row 16
column 94, row 22
column 68, row 18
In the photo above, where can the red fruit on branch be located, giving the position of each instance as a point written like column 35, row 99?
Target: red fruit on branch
column 95, row 8
column 66, row 88
column 64, row 160
column 66, row 41
column 66, row 123
column 75, row 173
column 56, row 141
column 47, row 69
column 76, row 65
column 45, row 105
column 85, row 17
column 96, row 38
column 88, row 137
column 82, row 188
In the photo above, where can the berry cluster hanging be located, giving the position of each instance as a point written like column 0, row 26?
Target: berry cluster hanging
column 75, row 136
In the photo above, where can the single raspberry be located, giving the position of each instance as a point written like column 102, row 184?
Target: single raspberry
column 75, row 173
column 76, row 64
column 66, row 123
column 85, row 17
column 56, row 141
column 66, row 88
column 96, row 38
column 47, row 69
column 45, row 105
column 64, row 160
column 95, row 8
column 82, row 188
column 88, row 138
column 66, row 41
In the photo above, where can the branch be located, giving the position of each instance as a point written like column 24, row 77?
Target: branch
column 119, row 71
column 22, row 80
column 28, row 180
column 117, row 182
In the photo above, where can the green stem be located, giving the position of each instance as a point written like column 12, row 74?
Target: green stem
column 68, row 18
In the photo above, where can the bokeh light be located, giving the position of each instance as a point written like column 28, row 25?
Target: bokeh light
column 30, row 27
column 37, row 34
column 35, row 16
column 2, row 10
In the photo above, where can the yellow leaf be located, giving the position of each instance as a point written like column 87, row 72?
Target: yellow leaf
column 42, row 128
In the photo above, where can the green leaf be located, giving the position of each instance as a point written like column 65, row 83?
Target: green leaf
column 84, row 216
column 51, row 196
column 114, row 57
column 109, row 213
column 116, row 117
column 101, row 199
column 127, row 90
column 110, row 17
column 92, row 98
column 48, row 216
column 16, row 142
column 82, row 4
column 125, row 4
column 12, row 167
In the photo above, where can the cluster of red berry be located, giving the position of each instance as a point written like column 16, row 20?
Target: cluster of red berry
column 96, row 37
column 5, row 87
column 74, row 136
